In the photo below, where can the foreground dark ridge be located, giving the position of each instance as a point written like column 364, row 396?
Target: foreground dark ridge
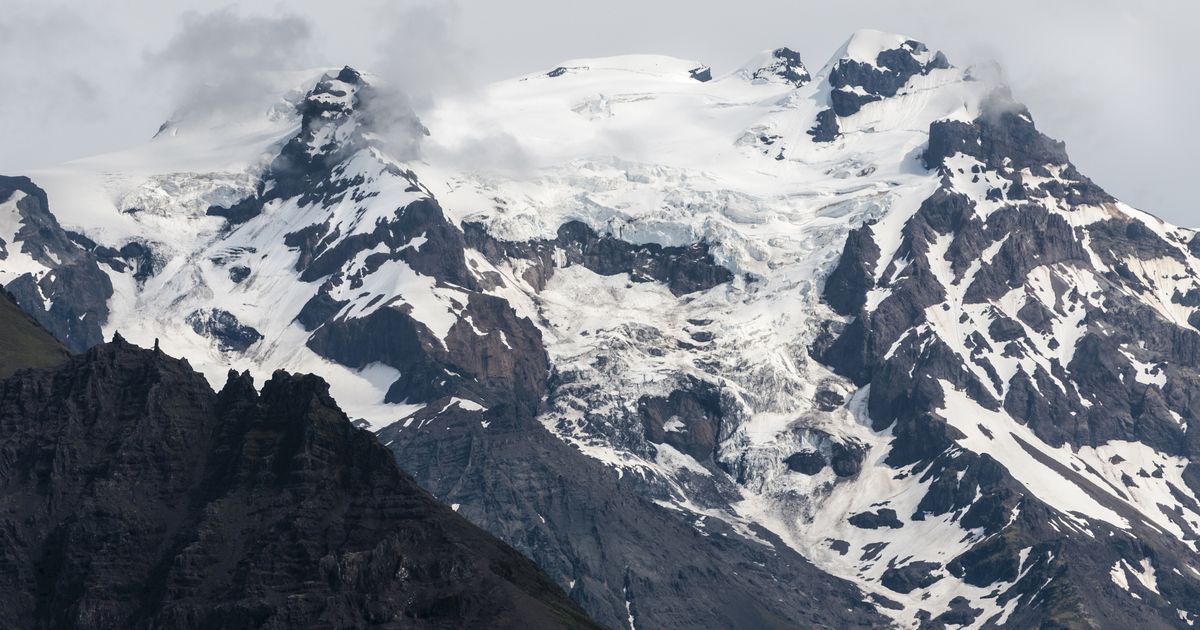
column 133, row 496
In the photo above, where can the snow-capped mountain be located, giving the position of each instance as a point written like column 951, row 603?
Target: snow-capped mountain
column 768, row 348
column 133, row 495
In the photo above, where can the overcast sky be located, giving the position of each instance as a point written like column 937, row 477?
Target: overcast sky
column 1116, row 80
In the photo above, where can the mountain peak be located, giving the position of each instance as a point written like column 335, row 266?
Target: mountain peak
column 865, row 45
column 349, row 75
column 780, row 65
column 342, row 115
column 333, row 94
column 869, row 67
column 887, row 52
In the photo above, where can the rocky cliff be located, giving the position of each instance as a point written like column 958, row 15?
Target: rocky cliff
column 134, row 496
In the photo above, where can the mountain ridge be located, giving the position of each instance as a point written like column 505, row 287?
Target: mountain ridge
column 138, row 497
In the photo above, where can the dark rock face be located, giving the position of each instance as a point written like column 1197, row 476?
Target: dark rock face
column 135, row 257
column 1005, row 131
column 224, row 327
column 891, row 70
column 785, row 65
column 828, row 400
column 319, row 309
column 702, row 74
column 75, row 289
column 846, row 104
column 1010, row 277
column 883, row 517
column 397, row 340
column 1118, row 239
column 506, row 365
column 441, row 255
column 806, row 462
column 843, row 455
column 688, row 420
column 1004, row 137
column 239, row 273
column 871, row 335
column 683, row 269
column 1004, row 329
column 960, row 614
column 914, row 575
column 826, row 128
column 169, row 505
column 141, row 257
column 847, row 286
column 597, row 531
column 846, row 458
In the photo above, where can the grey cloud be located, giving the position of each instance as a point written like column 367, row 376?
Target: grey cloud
column 71, row 82
column 36, row 42
column 418, row 55
column 221, row 62
column 421, row 51
column 490, row 152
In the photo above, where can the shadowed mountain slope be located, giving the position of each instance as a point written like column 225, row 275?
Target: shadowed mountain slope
column 133, row 496
column 24, row 343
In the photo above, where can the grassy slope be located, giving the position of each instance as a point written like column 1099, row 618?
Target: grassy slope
column 24, row 343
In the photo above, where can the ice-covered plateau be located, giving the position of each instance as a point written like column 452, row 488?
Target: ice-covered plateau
column 767, row 348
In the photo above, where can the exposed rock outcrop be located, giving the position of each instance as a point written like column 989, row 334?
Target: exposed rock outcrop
column 68, row 293
column 682, row 269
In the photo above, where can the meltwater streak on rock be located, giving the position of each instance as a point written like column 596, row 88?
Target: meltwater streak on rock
column 133, row 496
